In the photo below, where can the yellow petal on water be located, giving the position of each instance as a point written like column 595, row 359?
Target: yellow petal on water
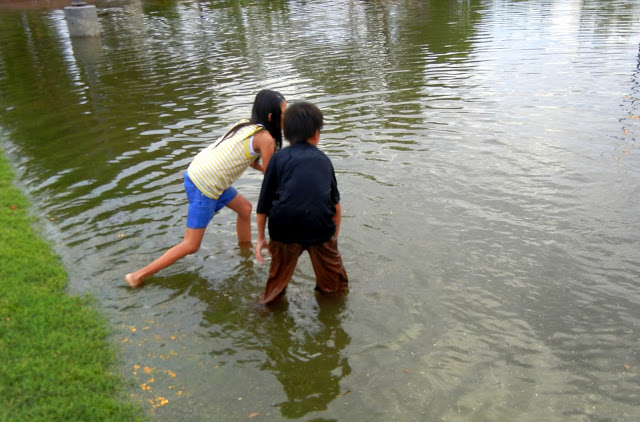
column 171, row 373
column 147, row 370
column 158, row 402
column 635, row 117
column 253, row 415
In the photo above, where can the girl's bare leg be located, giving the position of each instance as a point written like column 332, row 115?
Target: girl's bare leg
column 242, row 207
column 190, row 244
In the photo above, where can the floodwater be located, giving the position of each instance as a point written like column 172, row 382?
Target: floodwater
column 487, row 159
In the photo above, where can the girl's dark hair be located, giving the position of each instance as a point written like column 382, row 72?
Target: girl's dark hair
column 301, row 121
column 266, row 102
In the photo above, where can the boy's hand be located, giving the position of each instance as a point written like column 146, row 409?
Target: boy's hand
column 261, row 244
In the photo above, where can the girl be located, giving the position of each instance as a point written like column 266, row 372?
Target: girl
column 208, row 178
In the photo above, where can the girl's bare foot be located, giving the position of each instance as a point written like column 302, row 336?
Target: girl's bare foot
column 132, row 281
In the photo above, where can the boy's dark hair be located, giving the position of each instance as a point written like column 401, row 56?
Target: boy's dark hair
column 301, row 121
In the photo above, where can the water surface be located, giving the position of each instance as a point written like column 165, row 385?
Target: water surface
column 485, row 153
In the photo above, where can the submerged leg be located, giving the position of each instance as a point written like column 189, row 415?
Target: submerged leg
column 242, row 207
column 190, row 244
column 284, row 257
column 331, row 277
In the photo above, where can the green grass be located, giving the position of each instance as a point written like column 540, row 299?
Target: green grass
column 56, row 363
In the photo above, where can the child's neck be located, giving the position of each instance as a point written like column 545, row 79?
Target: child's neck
column 314, row 139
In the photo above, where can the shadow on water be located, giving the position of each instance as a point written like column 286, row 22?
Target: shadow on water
column 300, row 340
column 308, row 360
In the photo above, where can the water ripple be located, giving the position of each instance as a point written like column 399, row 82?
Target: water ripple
column 486, row 160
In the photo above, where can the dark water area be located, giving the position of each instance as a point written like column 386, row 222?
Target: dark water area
column 487, row 161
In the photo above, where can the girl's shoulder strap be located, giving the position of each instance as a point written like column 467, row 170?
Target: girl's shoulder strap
column 255, row 128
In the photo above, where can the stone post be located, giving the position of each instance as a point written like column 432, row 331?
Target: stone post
column 82, row 19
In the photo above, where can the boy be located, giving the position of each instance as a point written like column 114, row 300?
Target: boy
column 300, row 199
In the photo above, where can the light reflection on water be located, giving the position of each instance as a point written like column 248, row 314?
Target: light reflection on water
column 485, row 157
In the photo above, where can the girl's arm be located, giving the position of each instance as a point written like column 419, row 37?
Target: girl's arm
column 264, row 144
column 256, row 165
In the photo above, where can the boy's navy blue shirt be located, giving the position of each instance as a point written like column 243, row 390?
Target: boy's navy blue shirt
column 299, row 196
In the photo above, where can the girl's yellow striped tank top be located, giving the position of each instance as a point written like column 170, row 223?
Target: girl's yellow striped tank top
column 216, row 167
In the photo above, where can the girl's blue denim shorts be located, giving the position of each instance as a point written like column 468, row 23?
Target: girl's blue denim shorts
column 201, row 207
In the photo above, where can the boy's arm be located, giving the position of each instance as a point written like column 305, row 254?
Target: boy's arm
column 261, row 219
column 337, row 218
column 267, row 191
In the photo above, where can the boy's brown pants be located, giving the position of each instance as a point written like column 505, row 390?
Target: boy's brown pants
column 331, row 276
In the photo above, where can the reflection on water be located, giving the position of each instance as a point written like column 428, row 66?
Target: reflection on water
column 307, row 357
column 485, row 155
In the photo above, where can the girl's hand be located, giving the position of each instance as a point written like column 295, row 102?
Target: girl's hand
column 256, row 165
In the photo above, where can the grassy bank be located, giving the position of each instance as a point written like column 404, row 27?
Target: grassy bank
column 55, row 361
